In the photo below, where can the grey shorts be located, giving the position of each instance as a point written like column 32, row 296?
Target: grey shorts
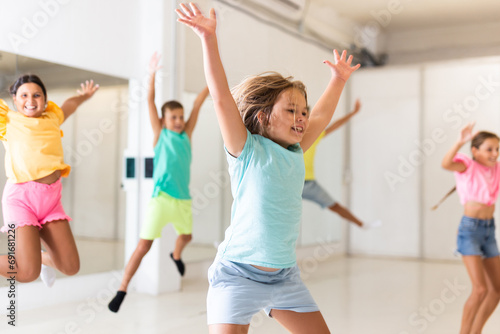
column 314, row 192
column 238, row 291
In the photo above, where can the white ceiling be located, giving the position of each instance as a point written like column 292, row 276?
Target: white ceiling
column 404, row 30
column 325, row 18
column 52, row 75
column 342, row 23
column 414, row 14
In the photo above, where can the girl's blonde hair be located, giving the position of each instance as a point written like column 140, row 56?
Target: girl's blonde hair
column 476, row 141
column 259, row 94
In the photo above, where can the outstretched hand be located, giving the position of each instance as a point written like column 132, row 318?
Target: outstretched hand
column 192, row 17
column 86, row 92
column 87, row 89
column 466, row 133
column 342, row 68
column 153, row 63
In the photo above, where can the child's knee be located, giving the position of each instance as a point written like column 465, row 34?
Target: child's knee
column 335, row 207
column 479, row 291
column 186, row 237
column 27, row 275
column 144, row 246
column 71, row 268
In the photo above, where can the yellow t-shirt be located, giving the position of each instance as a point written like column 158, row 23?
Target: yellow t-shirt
column 33, row 146
column 309, row 158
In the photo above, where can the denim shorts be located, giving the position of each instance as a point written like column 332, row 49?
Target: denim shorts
column 314, row 192
column 477, row 237
column 238, row 291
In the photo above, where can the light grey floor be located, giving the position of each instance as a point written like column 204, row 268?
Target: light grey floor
column 93, row 261
column 91, row 255
column 356, row 295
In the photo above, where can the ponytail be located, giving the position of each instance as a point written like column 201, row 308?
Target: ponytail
column 444, row 198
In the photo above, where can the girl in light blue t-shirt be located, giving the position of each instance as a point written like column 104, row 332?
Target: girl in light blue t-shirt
column 263, row 123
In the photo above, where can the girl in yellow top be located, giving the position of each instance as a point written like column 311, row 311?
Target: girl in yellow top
column 314, row 192
column 34, row 164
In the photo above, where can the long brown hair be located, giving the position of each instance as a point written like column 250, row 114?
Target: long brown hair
column 476, row 141
column 259, row 94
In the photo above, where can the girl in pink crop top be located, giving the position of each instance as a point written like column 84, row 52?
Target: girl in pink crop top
column 478, row 182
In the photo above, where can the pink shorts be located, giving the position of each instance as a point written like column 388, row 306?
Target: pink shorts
column 32, row 203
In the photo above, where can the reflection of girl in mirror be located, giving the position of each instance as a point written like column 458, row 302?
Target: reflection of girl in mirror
column 34, row 164
column 314, row 192
column 478, row 185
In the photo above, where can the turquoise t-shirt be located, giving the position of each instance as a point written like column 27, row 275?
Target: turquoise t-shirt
column 172, row 164
column 266, row 183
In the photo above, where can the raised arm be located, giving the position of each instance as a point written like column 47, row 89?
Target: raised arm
column 153, row 112
column 335, row 125
column 193, row 117
column 86, row 92
column 323, row 110
column 448, row 163
column 231, row 125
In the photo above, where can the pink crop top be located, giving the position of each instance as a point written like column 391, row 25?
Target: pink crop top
column 477, row 183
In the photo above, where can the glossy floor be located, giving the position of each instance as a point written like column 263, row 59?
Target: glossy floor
column 92, row 261
column 356, row 295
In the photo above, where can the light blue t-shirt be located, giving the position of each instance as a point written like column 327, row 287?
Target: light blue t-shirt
column 171, row 163
column 266, row 183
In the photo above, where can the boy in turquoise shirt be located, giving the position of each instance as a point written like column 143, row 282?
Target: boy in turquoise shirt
column 170, row 202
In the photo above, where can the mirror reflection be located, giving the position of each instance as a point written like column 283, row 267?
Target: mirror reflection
column 93, row 142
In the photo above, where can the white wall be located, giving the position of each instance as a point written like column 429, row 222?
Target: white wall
column 92, row 35
column 382, row 136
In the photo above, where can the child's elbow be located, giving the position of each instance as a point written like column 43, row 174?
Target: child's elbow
column 446, row 165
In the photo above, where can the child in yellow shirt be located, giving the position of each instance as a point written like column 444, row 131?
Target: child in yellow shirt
column 34, row 164
column 314, row 192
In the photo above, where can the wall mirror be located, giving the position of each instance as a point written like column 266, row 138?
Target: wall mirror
column 94, row 140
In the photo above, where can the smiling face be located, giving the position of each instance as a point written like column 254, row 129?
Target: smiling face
column 289, row 118
column 174, row 120
column 30, row 100
column 487, row 153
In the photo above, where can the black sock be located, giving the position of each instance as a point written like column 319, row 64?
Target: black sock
column 114, row 304
column 179, row 264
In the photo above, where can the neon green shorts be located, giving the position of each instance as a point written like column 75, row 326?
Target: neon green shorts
column 165, row 209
